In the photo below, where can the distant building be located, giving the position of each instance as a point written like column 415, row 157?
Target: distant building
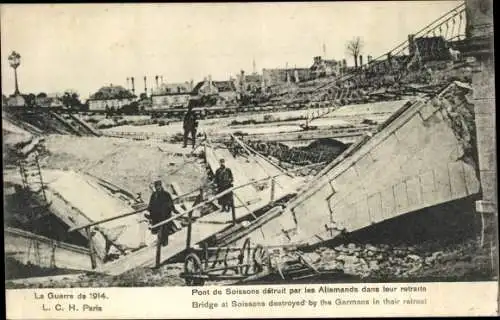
column 325, row 68
column 49, row 101
column 428, row 48
column 16, row 100
column 112, row 97
column 249, row 83
column 172, row 95
column 279, row 76
column 225, row 91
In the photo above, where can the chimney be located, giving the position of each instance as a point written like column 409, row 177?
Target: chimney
column 133, row 85
column 145, row 86
column 127, row 87
column 156, row 78
column 210, row 83
column 411, row 44
column 242, row 80
column 360, row 60
column 344, row 63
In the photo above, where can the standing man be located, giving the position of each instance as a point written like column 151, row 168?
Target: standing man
column 190, row 125
column 160, row 208
column 224, row 180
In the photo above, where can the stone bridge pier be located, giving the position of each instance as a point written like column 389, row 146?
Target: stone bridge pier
column 480, row 40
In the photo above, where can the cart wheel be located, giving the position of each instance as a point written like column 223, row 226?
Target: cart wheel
column 244, row 257
column 260, row 258
column 192, row 266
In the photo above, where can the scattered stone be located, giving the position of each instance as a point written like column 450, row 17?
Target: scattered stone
column 414, row 257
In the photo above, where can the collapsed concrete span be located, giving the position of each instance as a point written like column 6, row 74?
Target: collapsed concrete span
column 32, row 249
column 424, row 155
column 41, row 120
column 75, row 199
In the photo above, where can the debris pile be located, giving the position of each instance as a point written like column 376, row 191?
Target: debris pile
column 404, row 262
column 370, row 261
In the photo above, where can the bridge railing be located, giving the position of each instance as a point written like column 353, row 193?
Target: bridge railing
column 450, row 26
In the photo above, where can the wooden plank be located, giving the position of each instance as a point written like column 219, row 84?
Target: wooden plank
column 176, row 244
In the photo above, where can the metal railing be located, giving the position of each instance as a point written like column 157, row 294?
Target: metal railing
column 87, row 227
column 438, row 27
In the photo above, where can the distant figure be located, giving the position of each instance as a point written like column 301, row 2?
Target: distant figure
column 455, row 54
column 106, row 109
column 224, row 180
column 160, row 208
column 190, row 125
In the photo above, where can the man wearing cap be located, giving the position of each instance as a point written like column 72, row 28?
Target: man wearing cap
column 224, row 180
column 160, row 208
column 189, row 125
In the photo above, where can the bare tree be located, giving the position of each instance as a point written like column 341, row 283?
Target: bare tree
column 354, row 48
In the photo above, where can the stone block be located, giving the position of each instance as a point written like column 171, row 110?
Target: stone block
column 485, row 121
column 428, row 110
column 486, row 207
column 471, row 179
column 442, row 183
column 428, row 188
column 385, row 148
column 486, row 148
column 362, row 216
column 412, row 133
column 375, row 208
column 400, row 196
column 483, row 84
column 484, row 106
column 388, row 202
column 489, row 185
column 414, row 191
column 457, row 179
column 344, row 180
column 364, row 164
column 338, row 210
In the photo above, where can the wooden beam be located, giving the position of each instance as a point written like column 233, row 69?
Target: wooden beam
column 107, row 219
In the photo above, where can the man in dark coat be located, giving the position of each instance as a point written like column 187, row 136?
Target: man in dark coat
column 224, row 180
column 190, row 125
column 160, row 208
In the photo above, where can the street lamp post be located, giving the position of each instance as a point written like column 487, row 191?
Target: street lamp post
column 15, row 61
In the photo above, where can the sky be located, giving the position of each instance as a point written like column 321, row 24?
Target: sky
column 82, row 47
